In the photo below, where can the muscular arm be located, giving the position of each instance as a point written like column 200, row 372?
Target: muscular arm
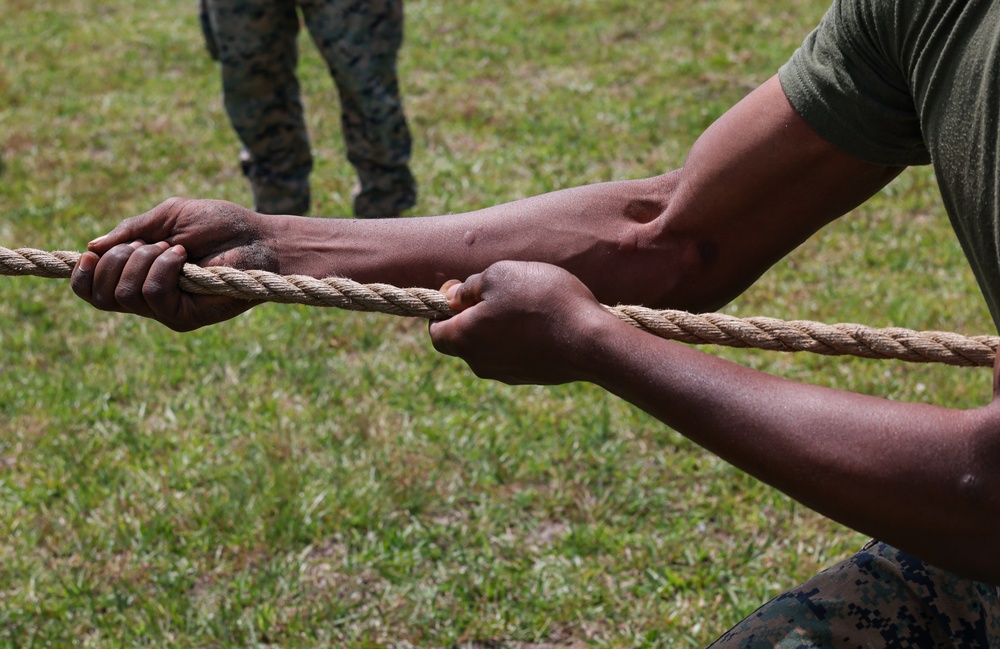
column 755, row 185
column 920, row 477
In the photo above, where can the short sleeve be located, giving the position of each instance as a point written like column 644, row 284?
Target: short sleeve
column 847, row 82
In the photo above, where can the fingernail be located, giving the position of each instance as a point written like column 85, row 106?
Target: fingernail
column 97, row 241
column 178, row 250
column 452, row 292
column 87, row 263
column 137, row 244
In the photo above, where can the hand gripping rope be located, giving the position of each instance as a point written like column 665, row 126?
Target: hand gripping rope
column 844, row 339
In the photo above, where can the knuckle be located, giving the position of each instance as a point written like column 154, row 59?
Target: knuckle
column 485, row 372
column 154, row 290
column 146, row 254
column 441, row 343
column 126, row 295
column 118, row 255
column 180, row 327
column 174, row 202
column 170, row 209
column 127, row 224
column 81, row 286
column 105, row 302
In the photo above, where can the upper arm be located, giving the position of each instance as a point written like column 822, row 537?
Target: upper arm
column 755, row 185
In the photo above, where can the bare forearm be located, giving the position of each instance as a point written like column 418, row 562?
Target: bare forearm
column 691, row 239
column 918, row 476
column 607, row 234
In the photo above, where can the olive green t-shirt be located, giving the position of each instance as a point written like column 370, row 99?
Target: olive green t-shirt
column 908, row 82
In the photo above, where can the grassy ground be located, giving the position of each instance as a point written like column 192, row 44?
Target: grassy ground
column 316, row 478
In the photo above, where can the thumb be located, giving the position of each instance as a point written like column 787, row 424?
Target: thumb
column 153, row 225
column 125, row 232
column 463, row 295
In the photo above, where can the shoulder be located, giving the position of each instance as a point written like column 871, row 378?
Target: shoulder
column 851, row 81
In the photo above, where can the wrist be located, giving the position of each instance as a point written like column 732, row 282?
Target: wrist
column 302, row 245
column 596, row 337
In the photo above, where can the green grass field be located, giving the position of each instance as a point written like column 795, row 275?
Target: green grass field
column 315, row 478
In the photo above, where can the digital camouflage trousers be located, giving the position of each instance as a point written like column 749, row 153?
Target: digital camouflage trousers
column 881, row 597
column 255, row 42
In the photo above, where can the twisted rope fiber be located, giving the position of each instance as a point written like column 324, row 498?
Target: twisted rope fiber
column 844, row 339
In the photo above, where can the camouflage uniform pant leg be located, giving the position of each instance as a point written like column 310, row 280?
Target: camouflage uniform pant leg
column 360, row 41
column 880, row 597
column 257, row 50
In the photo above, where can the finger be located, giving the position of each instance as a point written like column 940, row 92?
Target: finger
column 82, row 278
column 129, row 293
column 450, row 290
column 442, row 333
column 447, row 285
column 161, row 290
column 463, row 295
column 446, row 336
column 107, row 274
column 125, row 232
column 153, row 225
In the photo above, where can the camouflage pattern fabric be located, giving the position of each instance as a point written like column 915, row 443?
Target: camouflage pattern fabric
column 255, row 42
column 880, row 597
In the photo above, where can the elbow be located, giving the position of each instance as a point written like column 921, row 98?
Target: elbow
column 660, row 269
column 686, row 271
column 962, row 540
column 979, row 481
column 977, row 489
column 981, row 497
column 690, row 259
column 668, row 264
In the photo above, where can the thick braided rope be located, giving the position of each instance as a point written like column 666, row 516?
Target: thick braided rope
column 843, row 339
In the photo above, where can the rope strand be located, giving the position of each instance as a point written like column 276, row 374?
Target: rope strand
column 844, row 339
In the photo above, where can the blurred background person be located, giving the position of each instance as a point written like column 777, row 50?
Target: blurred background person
column 255, row 42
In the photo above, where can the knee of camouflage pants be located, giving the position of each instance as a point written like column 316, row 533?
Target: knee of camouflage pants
column 274, row 194
column 384, row 192
column 880, row 597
